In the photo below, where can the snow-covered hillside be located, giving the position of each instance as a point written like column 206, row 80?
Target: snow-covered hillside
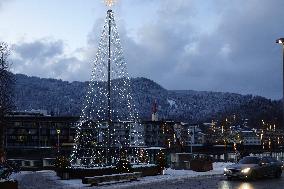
column 64, row 98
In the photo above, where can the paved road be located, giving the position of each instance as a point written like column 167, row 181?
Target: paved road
column 259, row 184
column 217, row 182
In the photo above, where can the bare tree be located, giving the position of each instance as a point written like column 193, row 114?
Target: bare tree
column 6, row 90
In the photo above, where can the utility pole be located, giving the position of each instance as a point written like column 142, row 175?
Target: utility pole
column 281, row 41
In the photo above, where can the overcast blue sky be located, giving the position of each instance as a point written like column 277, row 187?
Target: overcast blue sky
column 208, row 45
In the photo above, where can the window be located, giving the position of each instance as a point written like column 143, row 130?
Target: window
column 265, row 160
column 10, row 131
column 17, row 124
column 28, row 124
column 43, row 131
column 271, row 159
column 250, row 160
column 32, row 131
column 53, row 132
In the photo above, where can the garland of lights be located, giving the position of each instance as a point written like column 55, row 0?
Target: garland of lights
column 93, row 131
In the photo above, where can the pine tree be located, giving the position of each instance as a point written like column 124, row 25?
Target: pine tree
column 61, row 162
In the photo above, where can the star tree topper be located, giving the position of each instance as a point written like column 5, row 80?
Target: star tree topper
column 110, row 3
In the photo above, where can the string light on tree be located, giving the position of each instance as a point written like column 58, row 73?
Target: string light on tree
column 109, row 106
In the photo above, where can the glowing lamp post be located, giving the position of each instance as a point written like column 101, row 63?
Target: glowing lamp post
column 58, row 133
column 281, row 41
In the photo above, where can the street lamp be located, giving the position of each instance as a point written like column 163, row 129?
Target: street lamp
column 281, row 41
column 58, row 133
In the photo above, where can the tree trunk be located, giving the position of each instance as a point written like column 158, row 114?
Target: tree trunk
column 2, row 150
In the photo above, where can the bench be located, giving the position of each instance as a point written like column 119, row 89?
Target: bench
column 109, row 178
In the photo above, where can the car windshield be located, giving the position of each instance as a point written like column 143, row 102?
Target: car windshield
column 249, row 160
column 271, row 159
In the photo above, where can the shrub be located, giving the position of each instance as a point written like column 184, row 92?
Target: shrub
column 61, row 162
column 203, row 163
column 143, row 156
column 123, row 166
column 161, row 160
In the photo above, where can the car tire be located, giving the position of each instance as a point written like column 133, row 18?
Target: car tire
column 278, row 174
column 229, row 178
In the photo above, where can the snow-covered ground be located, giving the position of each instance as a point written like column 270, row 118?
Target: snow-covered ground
column 48, row 179
column 218, row 168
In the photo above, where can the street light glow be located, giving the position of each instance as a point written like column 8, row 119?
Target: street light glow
column 58, row 131
column 280, row 40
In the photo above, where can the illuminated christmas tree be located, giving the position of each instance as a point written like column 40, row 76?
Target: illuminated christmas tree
column 98, row 139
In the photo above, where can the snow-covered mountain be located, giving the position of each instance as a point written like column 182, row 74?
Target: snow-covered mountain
column 66, row 98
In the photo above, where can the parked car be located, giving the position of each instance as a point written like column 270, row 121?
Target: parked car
column 252, row 167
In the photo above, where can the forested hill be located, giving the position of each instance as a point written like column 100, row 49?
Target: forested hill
column 66, row 98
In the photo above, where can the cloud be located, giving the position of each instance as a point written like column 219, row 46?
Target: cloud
column 238, row 55
column 4, row 2
column 218, row 46
column 46, row 58
column 39, row 49
column 252, row 64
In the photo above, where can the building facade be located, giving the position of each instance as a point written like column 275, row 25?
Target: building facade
column 37, row 134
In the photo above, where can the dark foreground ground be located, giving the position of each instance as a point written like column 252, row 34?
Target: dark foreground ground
column 42, row 180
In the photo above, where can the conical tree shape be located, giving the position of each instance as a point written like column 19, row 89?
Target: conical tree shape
column 107, row 102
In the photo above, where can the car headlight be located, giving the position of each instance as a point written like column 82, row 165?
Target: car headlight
column 246, row 170
column 226, row 170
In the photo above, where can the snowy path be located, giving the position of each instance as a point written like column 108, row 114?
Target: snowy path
column 42, row 180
